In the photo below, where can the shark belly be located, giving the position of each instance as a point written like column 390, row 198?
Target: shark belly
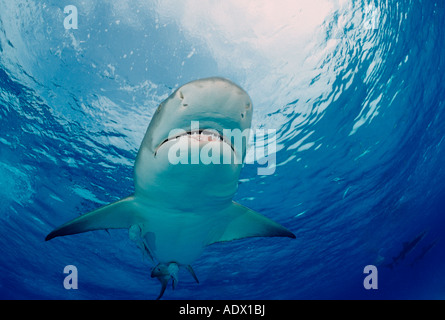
column 183, row 239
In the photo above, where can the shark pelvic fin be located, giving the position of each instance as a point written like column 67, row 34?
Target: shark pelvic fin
column 189, row 268
column 246, row 223
column 118, row 215
column 164, row 283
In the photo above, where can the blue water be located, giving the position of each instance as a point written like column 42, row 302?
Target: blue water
column 353, row 88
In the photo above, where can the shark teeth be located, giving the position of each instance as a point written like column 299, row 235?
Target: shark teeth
column 200, row 135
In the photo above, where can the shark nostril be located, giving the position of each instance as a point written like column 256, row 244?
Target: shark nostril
column 181, row 96
column 242, row 115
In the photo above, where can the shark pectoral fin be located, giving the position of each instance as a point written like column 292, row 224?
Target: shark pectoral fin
column 117, row 215
column 246, row 223
column 135, row 234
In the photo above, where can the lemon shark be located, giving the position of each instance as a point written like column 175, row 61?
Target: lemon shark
column 178, row 208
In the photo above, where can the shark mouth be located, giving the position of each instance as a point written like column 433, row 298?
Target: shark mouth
column 200, row 135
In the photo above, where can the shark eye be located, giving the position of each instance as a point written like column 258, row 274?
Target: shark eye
column 242, row 115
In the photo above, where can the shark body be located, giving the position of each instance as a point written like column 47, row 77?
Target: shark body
column 178, row 209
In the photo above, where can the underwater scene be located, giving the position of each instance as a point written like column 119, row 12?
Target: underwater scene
column 218, row 150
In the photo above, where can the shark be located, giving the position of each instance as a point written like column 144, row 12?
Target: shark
column 407, row 248
column 179, row 208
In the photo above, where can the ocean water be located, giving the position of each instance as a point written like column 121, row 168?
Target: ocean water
column 354, row 89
